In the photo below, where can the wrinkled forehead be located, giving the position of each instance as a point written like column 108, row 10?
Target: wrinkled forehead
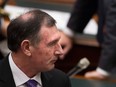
column 50, row 33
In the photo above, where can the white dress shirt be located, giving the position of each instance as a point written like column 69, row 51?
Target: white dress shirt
column 19, row 77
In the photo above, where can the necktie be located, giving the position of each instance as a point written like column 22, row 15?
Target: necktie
column 31, row 83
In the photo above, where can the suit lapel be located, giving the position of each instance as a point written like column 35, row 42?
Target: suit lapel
column 6, row 75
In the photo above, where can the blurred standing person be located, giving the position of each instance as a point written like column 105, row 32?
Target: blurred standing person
column 82, row 13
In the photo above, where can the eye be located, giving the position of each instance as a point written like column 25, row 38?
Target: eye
column 53, row 43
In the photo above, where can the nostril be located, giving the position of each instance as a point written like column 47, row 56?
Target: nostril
column 63, row 46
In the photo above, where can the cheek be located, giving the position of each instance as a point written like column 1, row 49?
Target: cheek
column 48, row 54
column 45, row 54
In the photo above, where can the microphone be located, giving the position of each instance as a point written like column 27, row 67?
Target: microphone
column 81, row 65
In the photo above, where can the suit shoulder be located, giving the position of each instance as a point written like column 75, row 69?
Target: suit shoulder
column 57, row 78
column 57, row 72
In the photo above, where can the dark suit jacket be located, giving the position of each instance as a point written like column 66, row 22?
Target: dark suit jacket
column 81, row 14
column 53, row 78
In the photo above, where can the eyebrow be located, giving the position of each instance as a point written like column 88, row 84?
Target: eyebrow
column 53, row 42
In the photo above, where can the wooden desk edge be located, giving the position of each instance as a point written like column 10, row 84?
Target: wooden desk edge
column 106, row 80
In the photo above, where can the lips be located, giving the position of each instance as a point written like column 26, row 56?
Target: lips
column 54, row 60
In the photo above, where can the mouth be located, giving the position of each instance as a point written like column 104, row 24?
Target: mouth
column 53, row 61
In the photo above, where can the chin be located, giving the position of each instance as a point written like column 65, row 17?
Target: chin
column 51, row 67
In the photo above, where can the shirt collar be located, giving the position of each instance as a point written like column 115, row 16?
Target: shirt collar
column 20, row 77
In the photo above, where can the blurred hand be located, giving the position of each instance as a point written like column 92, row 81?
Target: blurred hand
column 95, row 75
column 66, row 44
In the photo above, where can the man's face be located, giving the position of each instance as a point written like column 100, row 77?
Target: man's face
column 45, row 54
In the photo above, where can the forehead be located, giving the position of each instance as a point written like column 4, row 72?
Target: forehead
column 49, row 33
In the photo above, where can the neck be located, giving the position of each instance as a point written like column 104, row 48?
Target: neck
column 24, row 64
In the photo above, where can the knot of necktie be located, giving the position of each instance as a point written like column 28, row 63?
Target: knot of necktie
column 31, row 83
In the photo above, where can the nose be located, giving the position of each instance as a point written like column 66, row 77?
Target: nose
column 59, row 51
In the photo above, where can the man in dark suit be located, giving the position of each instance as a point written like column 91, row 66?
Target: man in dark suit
column 33, row 39
column 82, row 13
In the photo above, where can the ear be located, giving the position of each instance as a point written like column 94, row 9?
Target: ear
column 25, row 46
